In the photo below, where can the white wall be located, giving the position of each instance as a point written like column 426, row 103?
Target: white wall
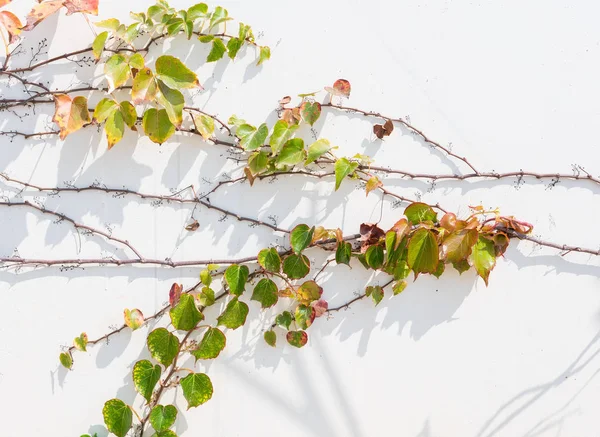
column 510, row 84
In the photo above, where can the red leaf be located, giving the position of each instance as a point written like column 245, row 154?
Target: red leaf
column 84, row 6
column 341, row 87
column 175, row 293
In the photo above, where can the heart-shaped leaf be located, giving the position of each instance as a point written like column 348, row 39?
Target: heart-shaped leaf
column 211, row 345
column 234, row 315
column 145, row 376
column 117, row 417
column 70, row 114
column 185, row 315
column 157, row 125
column 265, row 292
column 163, row 346
column 197, row 389
column 174, row 73
column 162, row 417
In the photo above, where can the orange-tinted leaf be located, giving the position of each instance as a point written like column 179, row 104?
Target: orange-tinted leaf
column 448, row 221
column 11, row 23
column 373, row 184
column 175, row 293
column 310, row 111
column 192, row 226
column 383, row 130
column 285, row 100
column 4, row 2
column 70, row 114
column 85, row 6
column 341, row 87
column 249, row 175
column 40, row 12
column 133, row 318
column 401, row 227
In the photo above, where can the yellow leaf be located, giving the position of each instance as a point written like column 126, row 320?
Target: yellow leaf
column 70, row 114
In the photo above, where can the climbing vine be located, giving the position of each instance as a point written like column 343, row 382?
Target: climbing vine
column 148, row 97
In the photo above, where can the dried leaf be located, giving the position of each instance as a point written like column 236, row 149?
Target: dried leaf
column 193, row 226
column 84, row 6
column 11, row 23
column 383, row 130
column 284, row 101
column 40, row 12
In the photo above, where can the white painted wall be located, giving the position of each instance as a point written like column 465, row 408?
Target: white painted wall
column 510, row 84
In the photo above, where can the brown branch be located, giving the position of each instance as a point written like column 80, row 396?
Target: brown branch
column 357, row 298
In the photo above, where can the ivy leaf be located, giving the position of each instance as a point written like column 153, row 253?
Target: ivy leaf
column 133, row 318
column 234, row 315
column 297, row 338
column 265, row 292
column 399, row 287
column 137, row 61
column 236, row 277
column 185, row 315
column 205, row 277
column 372, row 184
column 163, row 417
column 310, row 111
column 282, row 132
column 206, row 297
column 341, row 87
column 110, row 23
column 233, row 46
column 173, row 102
column 284, row 319
column 343, row 168
column 117, row 71
column 144, row 87
column 301, row 237
column 252, row 138
column 265, row 54
column 197, row 11
column 308, row 292
column 117, row 417
column 321, row 306
column 114, row 128
column 197, row 389
column 296, row 266
column 98, row 44
column 458, row 244
column 70, row 114
column 205, row 125
column 66, row 360
column 174, row 73
column 461, row 266
column 270, row 260
column 271, row 338
column 11, row 24
column 42, row 11
column 163, row 346
column 157, row 125
column 383, row 130
column 418, row 212
column 220, row 15
column 211, row 345
column 175, row 293
column 423, row 256
column 81, row 342
column 258, row 162
column 304, row 316
column 292, row 152
column 374, row 257
column 483, row 258
column 206, row 38
column 129, row 114
column 217, row 51
column 83, row 6
column 343, row 253
column 317, row 149
column 375, row 292
column 145, row 376
column 165, row 433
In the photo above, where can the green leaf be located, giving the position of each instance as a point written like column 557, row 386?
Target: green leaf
column 374, row 257
column 197, row 389
column 111, row 23
column 301, row 237
column 458, row 244
column 144, row 87
column 129, row 114
column 163, row 346
column 174, row 73
column 284, row 319
column 157, row 125
column 376, row 293
column 297, row 338
column 401, row 270
column 211, row 345
column 162, row 417
column 252, row 138
column 206, row 38
column 265, row 292
column 258, row 162
column 197, row 11
column 114, row 128
column 145, row 376
column 462, row 266
column 308, row 292
column 317, row 149
column 117, row 71
column 104, row 108
column 220, row 15
column 205, row 277
column 282, row 132
column 423, row 256
column 117, row 417
column 292, row 152
column 185, row 315
column 133, row 318
column 265, row 54
column 206, row 297
column 343, row 168
column 66, row 360
column 270, row 260
column 217, row 51
column 173, row 102
column 234, row 315
column 483, row 257
column 343, row 253
column 137, row 61
column 439, row 271
column 205, row 125
column 236, row 277
column 271, row 338
column 81, row 342
column 399, row 287
column 296, row 266
column 304, row 316
column 233, row 46
column 420, row 212
column 310, row 111
column 98, row 44
column 165, row 433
